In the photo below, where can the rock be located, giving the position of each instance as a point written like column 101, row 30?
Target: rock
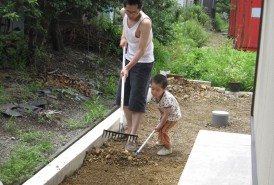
column 40, row 103
column 8, row 106
column 12, row 113
column 125, row 152
column 204, row 86
column 98, row 151
column 105, row 144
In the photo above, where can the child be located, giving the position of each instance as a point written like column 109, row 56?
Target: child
column 169, row 110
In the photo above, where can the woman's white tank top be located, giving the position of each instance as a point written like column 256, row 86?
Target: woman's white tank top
column 133, row 41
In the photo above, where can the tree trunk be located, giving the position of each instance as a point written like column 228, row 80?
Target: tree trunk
column 55, row 35
column 31, row 47
column 197, row 1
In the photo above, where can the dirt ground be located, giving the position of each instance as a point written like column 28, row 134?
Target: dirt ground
column 111, row 164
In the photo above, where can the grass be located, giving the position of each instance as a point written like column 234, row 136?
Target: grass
column 10, row 126
column 4, row 96
column 95, row 110
column 25, row 157
column 30, row 88
column 110, row 86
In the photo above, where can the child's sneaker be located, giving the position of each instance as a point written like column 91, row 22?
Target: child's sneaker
column 131, row 146
column 158, row 143
column 164, row 151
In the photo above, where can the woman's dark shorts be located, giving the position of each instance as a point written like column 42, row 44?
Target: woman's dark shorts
column 136, row 87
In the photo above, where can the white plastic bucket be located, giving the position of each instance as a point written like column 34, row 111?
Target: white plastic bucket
column 220, row 118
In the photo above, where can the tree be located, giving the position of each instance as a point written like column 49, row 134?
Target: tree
column 53, row 10
column 163, row 15
column 41, row 18
column 223, row 6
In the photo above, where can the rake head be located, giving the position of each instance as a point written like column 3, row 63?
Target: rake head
column 119, row 136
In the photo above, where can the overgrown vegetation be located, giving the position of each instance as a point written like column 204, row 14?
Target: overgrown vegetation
column 4, row 96
column 25, row 157
column 110, row 86
column 220, row 24
column 222, row 15
column 13, row 51
column 163, row 14
column 186, row 56
column 95, row 110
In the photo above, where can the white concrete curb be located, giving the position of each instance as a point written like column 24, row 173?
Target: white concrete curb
column 72, row 158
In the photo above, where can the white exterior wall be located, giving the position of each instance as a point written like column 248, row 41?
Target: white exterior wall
column 264, row 100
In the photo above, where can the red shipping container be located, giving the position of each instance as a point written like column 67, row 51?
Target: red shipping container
column 245, row 23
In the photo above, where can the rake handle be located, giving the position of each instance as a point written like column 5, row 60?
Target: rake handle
column 141, row 147
column 122, row 94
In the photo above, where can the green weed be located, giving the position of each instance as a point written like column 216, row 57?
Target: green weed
column 193, row 34
column 10, row 125
column 220, row 24
column 25, row 157
column 30, row 88
column 31, row 137
column 110, row 86
column 95, row 110
column 74, row 124
column 4, row 96
column 162, row 57
column 197, row 13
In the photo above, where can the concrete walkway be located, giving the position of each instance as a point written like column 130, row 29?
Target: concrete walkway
column 219, row 158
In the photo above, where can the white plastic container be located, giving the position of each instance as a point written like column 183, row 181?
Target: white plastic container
column 220, row 118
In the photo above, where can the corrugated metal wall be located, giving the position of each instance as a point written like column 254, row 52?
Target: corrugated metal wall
column 264, row 100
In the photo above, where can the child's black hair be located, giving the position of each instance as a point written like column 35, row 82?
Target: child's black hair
column 133, row 2
column 160, row 79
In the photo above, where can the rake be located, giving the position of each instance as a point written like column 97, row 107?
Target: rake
column 121, row 134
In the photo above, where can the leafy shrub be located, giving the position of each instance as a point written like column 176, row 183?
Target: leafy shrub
column 163, row 15
column 197, row 13
column 220, row 24
column 193, row 34
column 104, row 37
column 13, row 51
column 161, row 56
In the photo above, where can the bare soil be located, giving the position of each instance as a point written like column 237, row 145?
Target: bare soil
column 111, row 164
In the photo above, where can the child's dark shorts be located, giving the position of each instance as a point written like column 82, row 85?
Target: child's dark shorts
column 136, row 87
